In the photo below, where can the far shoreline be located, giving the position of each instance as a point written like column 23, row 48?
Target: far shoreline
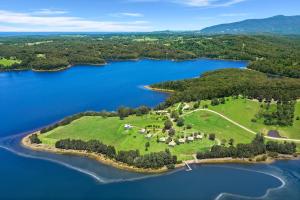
column 25, row 142
column 121, row 60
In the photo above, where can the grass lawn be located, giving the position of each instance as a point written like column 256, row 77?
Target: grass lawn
column 207, row 122
column 8, row 62
column 111, row 132
column 242, row 111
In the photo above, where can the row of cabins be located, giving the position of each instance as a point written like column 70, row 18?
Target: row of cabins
column 181, row 140
column 164, row 139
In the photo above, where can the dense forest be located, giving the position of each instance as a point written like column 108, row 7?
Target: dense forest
column 278, row 55
column 232, row 82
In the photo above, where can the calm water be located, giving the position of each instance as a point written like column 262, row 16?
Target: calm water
column 29, row 100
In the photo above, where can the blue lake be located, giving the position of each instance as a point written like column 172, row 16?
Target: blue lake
column 30, row 100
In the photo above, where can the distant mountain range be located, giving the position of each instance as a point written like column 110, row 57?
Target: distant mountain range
column 274, row 25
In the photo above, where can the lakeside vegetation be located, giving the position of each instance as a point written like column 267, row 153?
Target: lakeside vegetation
column 277, row 55
column 142, row 137
column 232, row 82
column 6, row 63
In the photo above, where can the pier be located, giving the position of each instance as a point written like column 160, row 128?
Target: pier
column 188, row 166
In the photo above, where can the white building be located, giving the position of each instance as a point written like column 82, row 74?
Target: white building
column 142, row 131
column 190, row 138
column 127, row 126
column 172, row 143
column 148, row 135
column 181, row 140
column 199, row 136
column 162, row 139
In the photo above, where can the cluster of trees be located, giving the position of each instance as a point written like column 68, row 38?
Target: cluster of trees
column 132, row 157
column 91, row 146
column 126, row 111
column 215, row 101
column 69, row 119
column 256, row 147
column 231, row 82
column 269, row 54
column 283, row 115
column 283, row 148
column 34, row 139
column 152, row 160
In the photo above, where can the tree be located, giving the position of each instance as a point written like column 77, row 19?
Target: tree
column 168, row 124
column 171, row 132
column 212, row 136
column 222, row 100
column 147, row 145
column 197, row 104
column 123, row 112
column 174, row 115
column 180, row 122
column 189, row 126
column 215, row 102
column 231, row 142
column 34, row 139
column 142, row 110
column 223, row 142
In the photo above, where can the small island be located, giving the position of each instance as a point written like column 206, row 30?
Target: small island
column 154, row 140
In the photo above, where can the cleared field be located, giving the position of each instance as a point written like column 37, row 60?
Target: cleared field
column 207, row 122
column 242, row 111
column 111, row 131
column 8, row 62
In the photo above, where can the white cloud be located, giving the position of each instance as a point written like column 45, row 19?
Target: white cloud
column 127, row 14
column 132, row 14
column 208, row 3
column 15, row 21
column 197, row 3
column 49, row 12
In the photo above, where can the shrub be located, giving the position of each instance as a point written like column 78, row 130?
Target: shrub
column 171, row 166
column 273, row 154
column 212, row 136
column 34, row 139
column 180, row 122
column 189, row 126
column 168, row 124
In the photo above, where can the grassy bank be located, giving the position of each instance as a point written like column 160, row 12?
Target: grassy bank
column 8, row 62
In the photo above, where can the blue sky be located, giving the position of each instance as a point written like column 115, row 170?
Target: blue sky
column 133, row 15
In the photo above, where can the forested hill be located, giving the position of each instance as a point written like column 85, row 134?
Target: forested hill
column 276, row 25
column 232, row 82
column 279, row 55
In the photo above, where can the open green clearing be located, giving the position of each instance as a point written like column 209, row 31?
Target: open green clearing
column 8, row 62
column 112, row 131
column 243, row 110
column 211, row 123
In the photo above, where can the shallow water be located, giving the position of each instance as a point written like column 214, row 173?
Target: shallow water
column 29, row 100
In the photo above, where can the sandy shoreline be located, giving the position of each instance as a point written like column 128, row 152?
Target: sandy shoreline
column 100, row 158
column 107, row 161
